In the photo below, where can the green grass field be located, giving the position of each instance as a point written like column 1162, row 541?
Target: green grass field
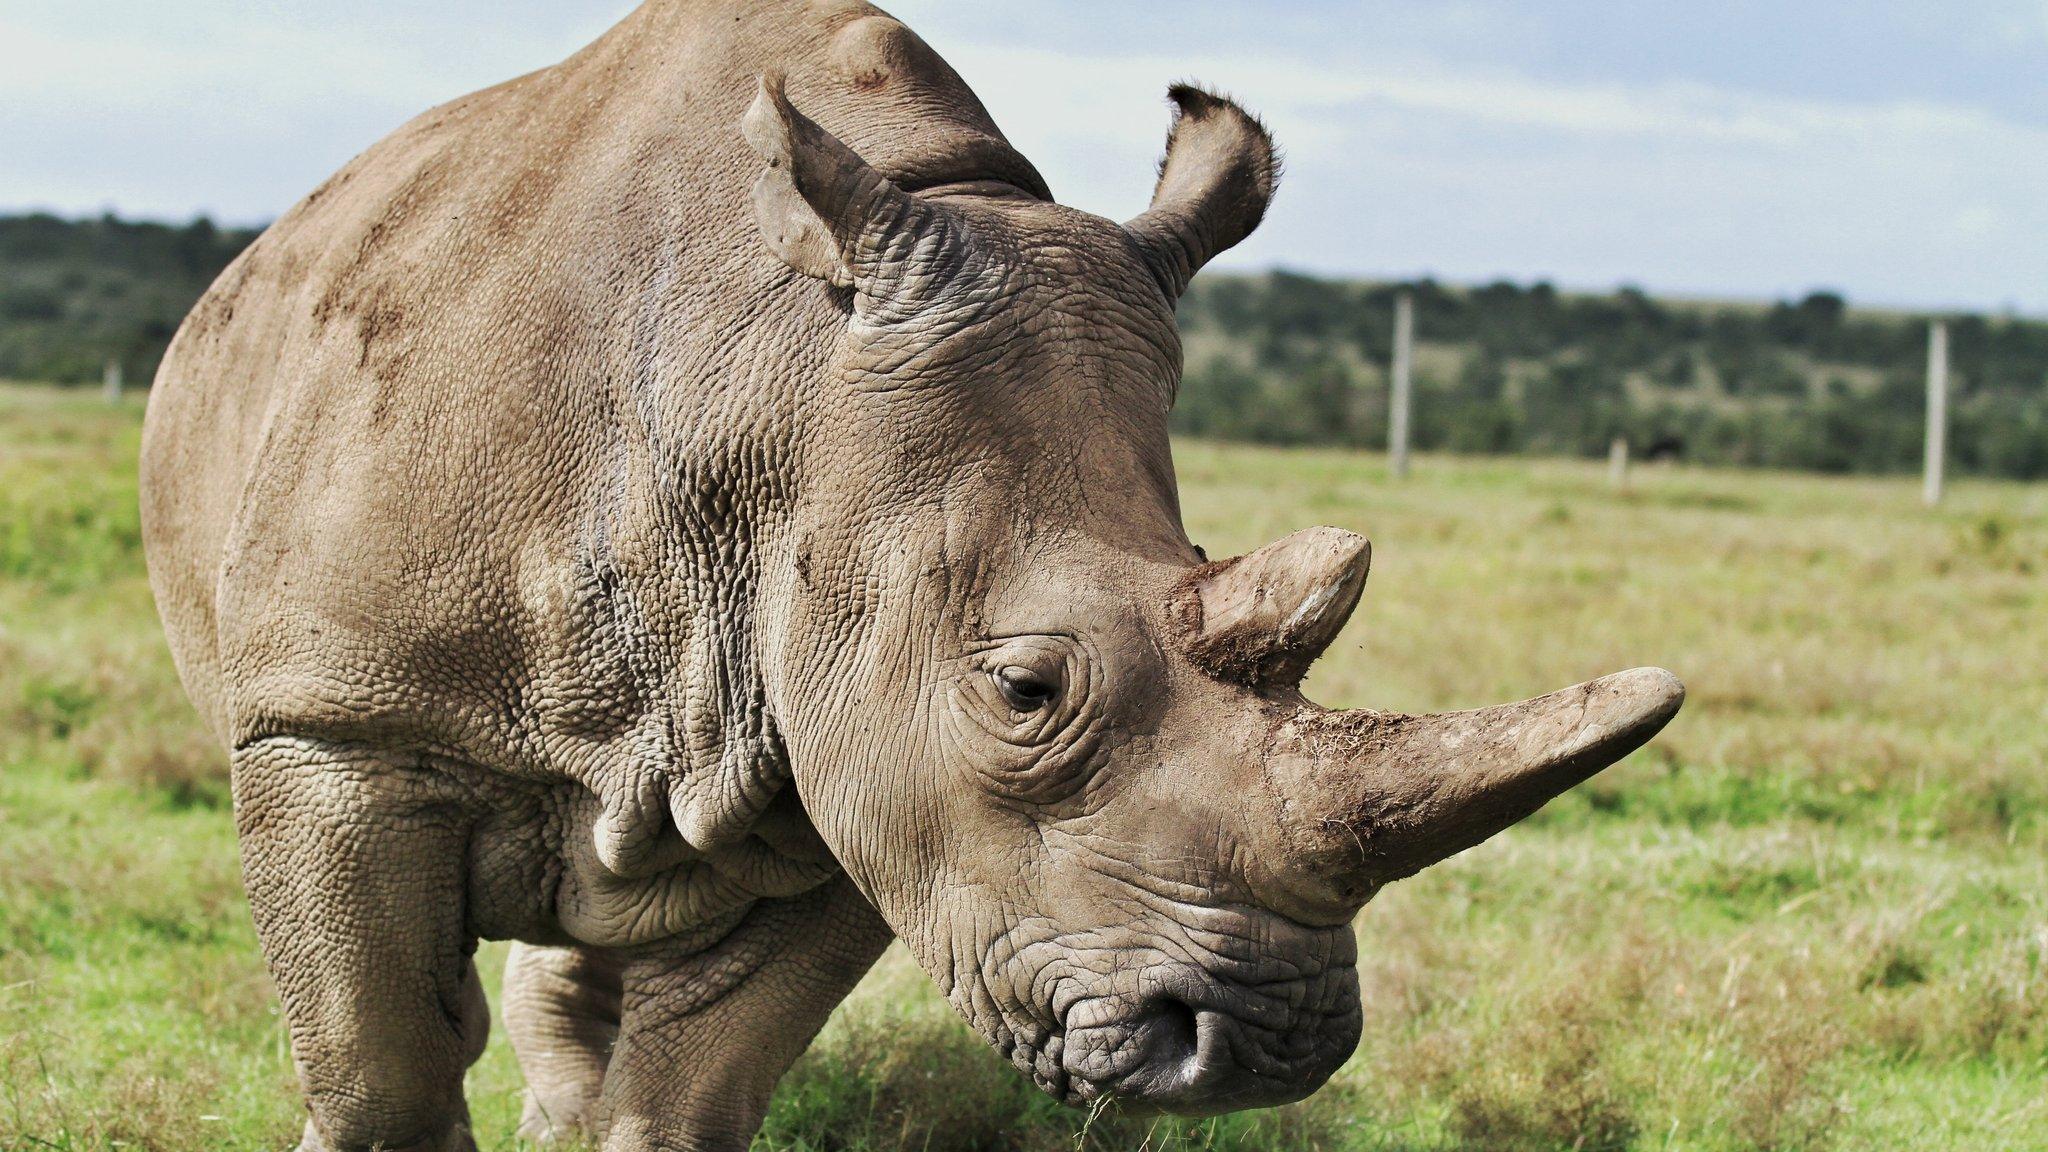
column 1814, row 914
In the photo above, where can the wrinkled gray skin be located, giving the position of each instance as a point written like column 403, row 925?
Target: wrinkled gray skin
column 699, row 539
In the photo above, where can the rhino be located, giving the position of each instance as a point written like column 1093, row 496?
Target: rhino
column 702, row 511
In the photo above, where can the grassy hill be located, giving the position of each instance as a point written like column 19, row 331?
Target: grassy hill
column 1812, row 915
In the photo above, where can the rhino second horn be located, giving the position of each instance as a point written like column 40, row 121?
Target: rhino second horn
column 1370, row 797
column 1262, row 618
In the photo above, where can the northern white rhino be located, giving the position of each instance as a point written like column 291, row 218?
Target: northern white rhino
column 700, row 539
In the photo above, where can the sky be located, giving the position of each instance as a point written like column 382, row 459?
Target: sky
column 1895, row 150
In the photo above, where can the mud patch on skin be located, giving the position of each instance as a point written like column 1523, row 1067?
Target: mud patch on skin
column 216, row 310
column 1352, row 733
column 871, row 50
column 377, row 323
column 1231, row 659
column 361, row 285
column 1334, row 823
column 1261, row 619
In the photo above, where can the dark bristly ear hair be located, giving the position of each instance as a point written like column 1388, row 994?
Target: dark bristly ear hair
column 1218, row 176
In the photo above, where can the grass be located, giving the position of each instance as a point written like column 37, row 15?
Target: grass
column 1814, row 915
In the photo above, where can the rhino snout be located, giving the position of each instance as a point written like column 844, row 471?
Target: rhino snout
column 1195, row 1042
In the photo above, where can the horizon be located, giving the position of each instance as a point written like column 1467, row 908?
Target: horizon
column 1676, row 298
column 1878, row 151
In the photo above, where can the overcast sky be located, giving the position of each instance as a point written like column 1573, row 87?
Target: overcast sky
column 1894, row 149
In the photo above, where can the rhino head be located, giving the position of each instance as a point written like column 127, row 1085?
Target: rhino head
column 1065, row 756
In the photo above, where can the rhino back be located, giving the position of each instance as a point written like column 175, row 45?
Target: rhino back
column 434, row 458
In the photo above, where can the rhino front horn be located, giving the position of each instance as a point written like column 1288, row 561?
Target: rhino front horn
column 1370, row 797
column 1262, row 618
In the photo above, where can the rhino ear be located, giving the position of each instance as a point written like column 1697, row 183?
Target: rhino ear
column 1218, row 176
column 814, row 200
column 826, row 213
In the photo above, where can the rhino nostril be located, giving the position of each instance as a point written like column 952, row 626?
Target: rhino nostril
column 1169, row 1038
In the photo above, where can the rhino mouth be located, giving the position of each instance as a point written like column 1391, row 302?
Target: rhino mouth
column 1193, row 1044
column 1187, row 1034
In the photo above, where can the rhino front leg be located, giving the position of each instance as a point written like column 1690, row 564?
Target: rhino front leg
column 705, row 1037
column 355, row 864
column 561, row 1010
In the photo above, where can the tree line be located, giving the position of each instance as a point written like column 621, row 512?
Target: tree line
column 1289, row 359
column 1507, row 368
column 75, row 294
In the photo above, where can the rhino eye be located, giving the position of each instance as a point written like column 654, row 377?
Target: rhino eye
column 1023, row 689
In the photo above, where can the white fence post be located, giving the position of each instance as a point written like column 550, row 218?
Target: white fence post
column 1937, row 412
column 110, row 382
column 1617, row 462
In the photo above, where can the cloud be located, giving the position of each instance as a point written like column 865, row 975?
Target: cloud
column 1037, row 86
column 1476, row 172
column 224, row 107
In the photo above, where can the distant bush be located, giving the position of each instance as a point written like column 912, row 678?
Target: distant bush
column 77, row 293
